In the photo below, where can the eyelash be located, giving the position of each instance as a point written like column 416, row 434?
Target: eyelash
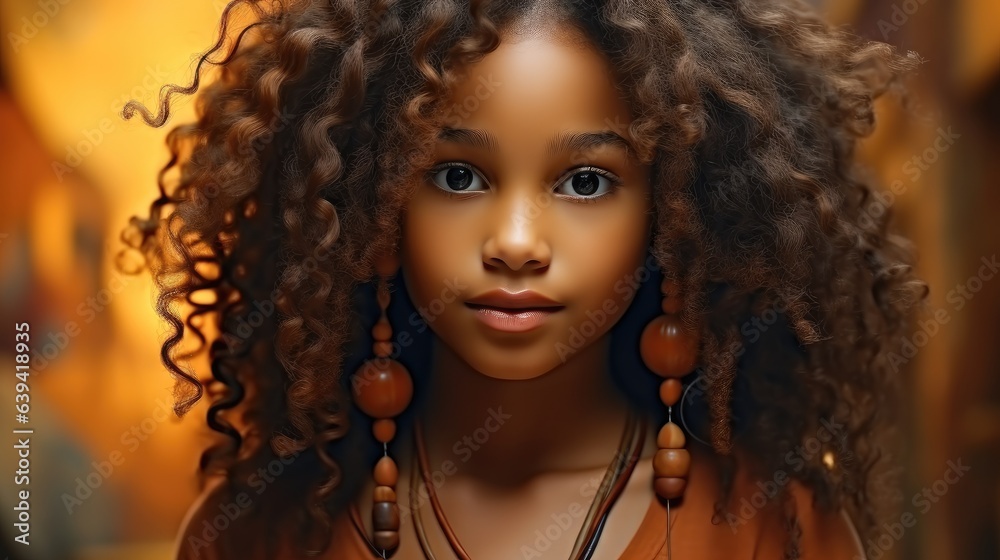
column 616, row 181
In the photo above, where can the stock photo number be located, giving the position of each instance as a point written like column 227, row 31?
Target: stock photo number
column 21, row 432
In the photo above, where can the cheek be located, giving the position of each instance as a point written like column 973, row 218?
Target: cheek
column 433, row 249
column 606, row 260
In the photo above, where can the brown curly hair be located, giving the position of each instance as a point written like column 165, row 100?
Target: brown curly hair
column 277, row 200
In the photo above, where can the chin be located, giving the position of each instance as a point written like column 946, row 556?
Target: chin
column 508, row 365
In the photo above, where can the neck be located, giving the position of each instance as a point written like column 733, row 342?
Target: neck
column 505, row 432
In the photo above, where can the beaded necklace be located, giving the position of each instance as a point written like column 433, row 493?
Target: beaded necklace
column 615, row 479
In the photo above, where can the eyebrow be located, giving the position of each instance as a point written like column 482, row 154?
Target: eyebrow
column 584, row 141
column 577, row 141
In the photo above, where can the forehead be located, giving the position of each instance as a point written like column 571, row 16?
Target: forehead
column 548, row 78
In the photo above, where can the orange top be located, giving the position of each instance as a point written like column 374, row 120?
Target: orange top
column 747, row 532
column 198, row 541
column 648, row 542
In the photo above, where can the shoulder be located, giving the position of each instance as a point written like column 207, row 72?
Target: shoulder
column 221, row 525
column 826, row 535
column 749, row 521
column 211, row 522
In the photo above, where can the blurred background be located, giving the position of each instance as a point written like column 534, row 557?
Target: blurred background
column 113, row 471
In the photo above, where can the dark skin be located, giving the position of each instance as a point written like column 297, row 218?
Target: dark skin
column 521, row 225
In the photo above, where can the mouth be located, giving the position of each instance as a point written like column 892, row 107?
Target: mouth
column 548, row 308
column 512, row 319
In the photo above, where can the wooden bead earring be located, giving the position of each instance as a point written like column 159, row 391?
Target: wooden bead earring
column 670, row 351
column 382, row 389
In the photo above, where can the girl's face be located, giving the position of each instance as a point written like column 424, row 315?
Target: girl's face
column 533, row 191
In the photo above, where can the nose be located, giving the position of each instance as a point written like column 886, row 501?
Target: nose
column 517, row 241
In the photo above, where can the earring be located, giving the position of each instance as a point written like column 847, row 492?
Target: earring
column 382, row 389
column 670, row 351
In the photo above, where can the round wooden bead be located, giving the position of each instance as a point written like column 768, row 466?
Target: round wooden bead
column 672, row 463
column 666, row 348
column 386, row 473
column 670, row 305
column 384, row 430
column 385, row 516
column 671, row 296
column 669, row 487
column 382, row 349
column 670, row 437
column 670, row 391
column 382, row 331
column 385, row 540
column 384, row 494
column 382, row 388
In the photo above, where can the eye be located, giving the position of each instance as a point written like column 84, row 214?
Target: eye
column 456, row 177
column 589, row 183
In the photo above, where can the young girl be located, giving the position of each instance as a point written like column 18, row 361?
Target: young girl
column 532, row 279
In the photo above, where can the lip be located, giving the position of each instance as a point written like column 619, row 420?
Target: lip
column 503, row 299
column 513, row 312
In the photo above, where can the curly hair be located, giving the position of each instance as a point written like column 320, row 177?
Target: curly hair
column 279, row 198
